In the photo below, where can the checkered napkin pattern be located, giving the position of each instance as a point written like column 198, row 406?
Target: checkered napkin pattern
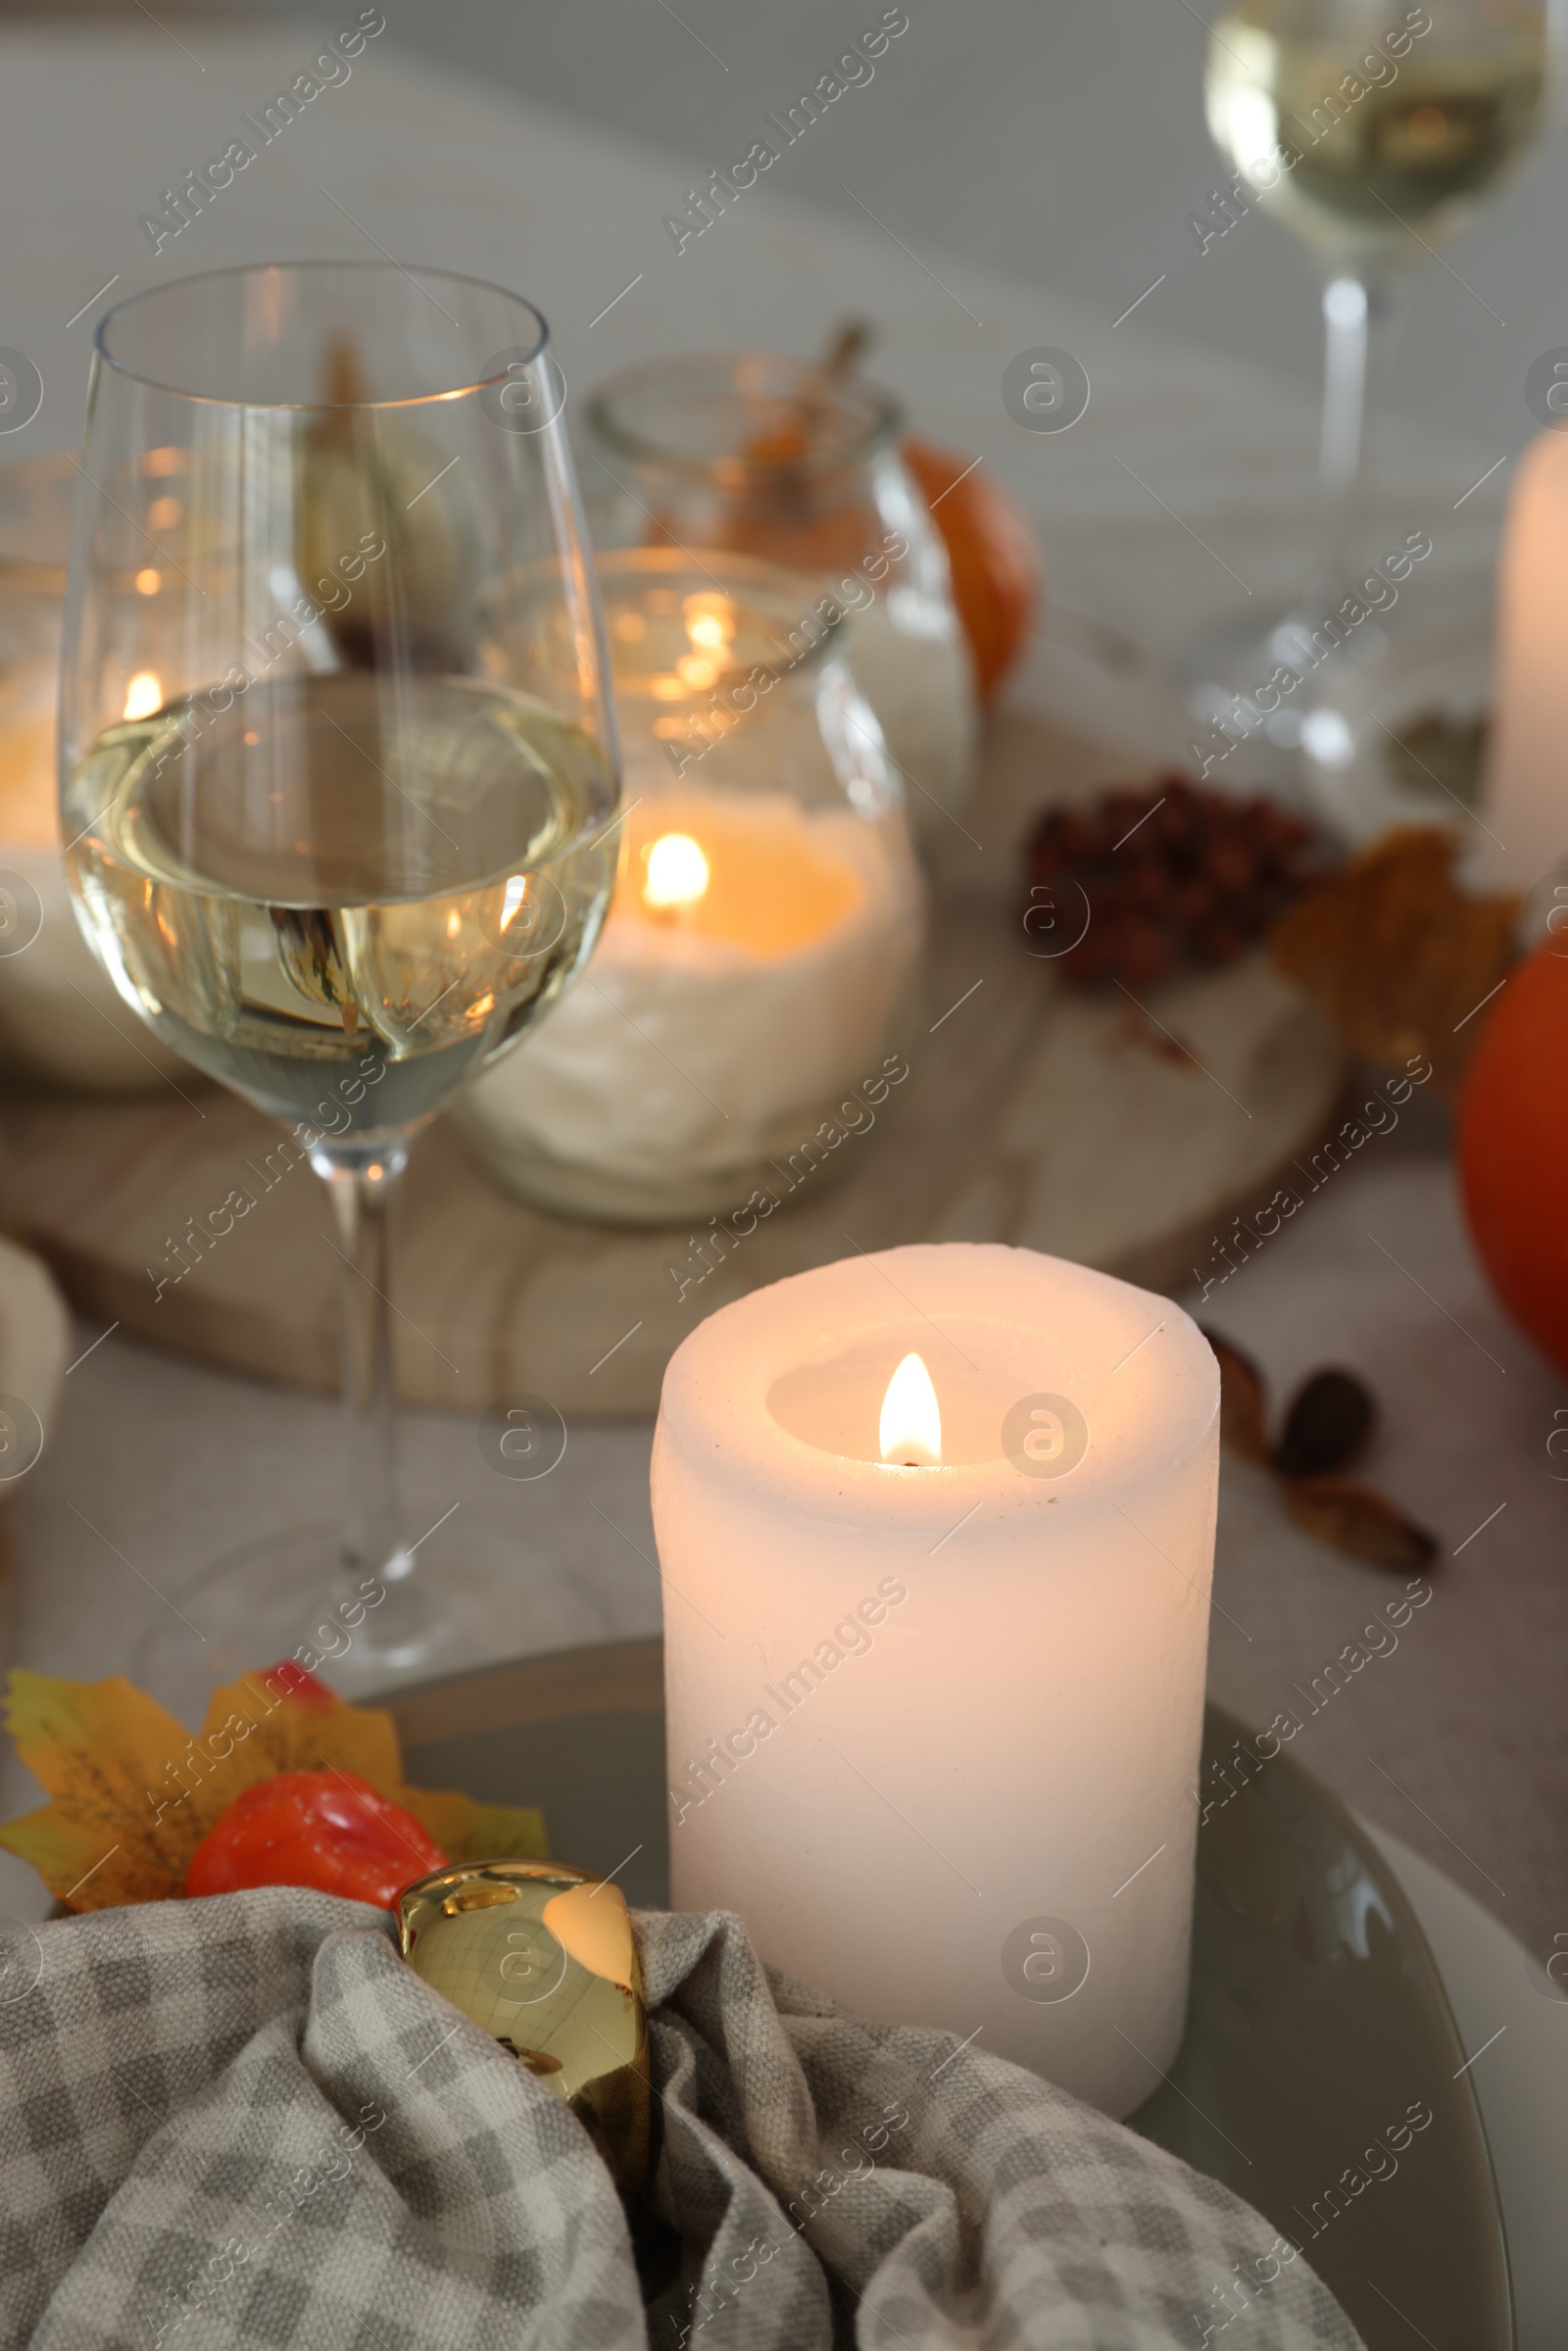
column 244, row 2123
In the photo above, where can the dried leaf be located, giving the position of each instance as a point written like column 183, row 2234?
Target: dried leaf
column 1354, row 1519
column 1243, row 1402
column 97, row 1748
column 1135, row 1028
column 1328, row 1424
column 284, row 1721
column 1397, row 956
column 466, row 1831
column 133, row 1793
column 1435, row 747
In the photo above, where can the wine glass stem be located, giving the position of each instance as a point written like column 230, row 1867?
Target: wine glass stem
column 1359, row 314
column 362, row 1184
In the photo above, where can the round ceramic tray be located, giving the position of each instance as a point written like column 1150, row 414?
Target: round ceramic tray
column 1318, row 2018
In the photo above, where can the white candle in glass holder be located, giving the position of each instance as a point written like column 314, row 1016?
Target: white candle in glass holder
column 60, row 1016
column 753, row 958
column 935, row 1673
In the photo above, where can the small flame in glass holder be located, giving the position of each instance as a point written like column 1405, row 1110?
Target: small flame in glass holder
column 677, row 873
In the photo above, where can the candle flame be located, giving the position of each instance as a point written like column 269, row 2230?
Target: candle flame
column 677, row 872
column 144, row 695
column 709, row 621
column 910, row 1431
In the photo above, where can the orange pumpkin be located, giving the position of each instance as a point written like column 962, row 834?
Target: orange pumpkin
column 1513, row 1150
column 996, row 580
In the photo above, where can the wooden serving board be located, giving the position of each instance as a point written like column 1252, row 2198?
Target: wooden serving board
column 1079, row 1124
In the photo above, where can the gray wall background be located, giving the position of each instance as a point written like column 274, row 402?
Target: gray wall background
column 1061, row 141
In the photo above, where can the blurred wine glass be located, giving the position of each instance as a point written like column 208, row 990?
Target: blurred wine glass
column 335, row 837
column 1372, row 133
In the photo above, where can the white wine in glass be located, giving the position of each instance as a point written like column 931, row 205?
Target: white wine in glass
column 337, row 833
column 410, row 891
column 1371, row 132
column 1364, row 147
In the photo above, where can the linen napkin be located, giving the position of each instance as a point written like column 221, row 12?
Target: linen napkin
column 245, row 2121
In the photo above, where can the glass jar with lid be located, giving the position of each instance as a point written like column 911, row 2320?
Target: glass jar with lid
column 752, row 979
column 789, row 460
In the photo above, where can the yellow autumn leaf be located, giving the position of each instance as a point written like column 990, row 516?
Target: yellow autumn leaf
column 100, row 1748
column 276, row 1722
column 134, row 1793
column 66, row 1857
column 466, row 1831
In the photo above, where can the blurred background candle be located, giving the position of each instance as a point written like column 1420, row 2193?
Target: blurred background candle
column 768, row 918
column 935, row 1678
column 59, row 1017
column 1526, row 799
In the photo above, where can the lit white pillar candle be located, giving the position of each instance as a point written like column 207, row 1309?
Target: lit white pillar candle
column 935, row 1678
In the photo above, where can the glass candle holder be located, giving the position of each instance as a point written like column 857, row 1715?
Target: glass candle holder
column 778, row 457
column 60, row 1019
column 35, row 539
column 753, row 975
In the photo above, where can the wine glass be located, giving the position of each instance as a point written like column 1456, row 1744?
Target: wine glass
column 1371, row 133
column 332, row 839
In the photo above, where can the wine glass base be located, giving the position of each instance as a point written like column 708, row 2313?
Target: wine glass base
column 290, row 1596
column 1319, row 721
column 1253, row 664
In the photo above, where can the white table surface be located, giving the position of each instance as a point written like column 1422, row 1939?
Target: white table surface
column 1458, row 1743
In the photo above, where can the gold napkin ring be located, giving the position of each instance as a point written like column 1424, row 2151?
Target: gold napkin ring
column 542, row 1956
